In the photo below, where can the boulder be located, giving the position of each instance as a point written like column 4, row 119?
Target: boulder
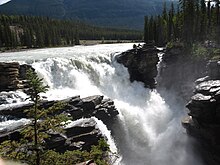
column 89, row 103
column 141, row 63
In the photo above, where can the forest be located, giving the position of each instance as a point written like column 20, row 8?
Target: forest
column 38, row 32
column 192, row 21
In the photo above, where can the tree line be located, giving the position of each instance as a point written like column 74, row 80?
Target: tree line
column 32, row 31
column 191, row 21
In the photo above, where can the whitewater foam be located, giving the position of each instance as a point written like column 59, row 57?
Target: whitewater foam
column 147, row 132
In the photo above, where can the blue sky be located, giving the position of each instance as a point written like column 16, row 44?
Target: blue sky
column 3, row 1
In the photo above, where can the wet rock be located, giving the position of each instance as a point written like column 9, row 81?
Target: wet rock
column 96, row 106
column 141, row 63
column 203, row 121
column 206, row 86
column 89, row 103
column 178, row 72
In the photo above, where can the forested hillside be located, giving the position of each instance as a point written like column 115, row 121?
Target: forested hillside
column 44, row 32
column 110, row 13
column 195, row 21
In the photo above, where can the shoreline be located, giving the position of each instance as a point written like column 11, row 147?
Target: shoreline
column 82, row 42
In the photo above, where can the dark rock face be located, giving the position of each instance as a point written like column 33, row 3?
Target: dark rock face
column 203, row 121
column 12, row 76
column 79, row 136
column 103, row 109
column 141, row 63
column 178, row 72
column 9, row 73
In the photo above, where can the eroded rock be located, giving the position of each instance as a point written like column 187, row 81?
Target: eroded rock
column 79, row 135
column 141, row 63
column 96, row 106
column 12, row 76
column 203, row 121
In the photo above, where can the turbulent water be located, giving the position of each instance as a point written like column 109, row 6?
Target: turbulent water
column 148, row 131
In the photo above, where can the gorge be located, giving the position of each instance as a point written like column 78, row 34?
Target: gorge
column 148, row 129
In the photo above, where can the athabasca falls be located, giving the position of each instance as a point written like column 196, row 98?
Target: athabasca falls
column 148, row 130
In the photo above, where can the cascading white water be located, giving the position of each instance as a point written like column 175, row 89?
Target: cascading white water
column 148, row 131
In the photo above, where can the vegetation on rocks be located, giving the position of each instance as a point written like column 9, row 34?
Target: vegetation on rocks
column 99, row 154
column 31, row 148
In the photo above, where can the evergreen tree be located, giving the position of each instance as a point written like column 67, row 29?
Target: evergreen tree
column 203, row 20
column 35, row 134
column 77, row 37
column 170, row 23
column 45, row 32
column 146, row 30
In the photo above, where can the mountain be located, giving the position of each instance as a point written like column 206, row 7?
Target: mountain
column 111, row 13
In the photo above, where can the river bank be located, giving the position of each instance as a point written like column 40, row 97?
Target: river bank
column 82, row 42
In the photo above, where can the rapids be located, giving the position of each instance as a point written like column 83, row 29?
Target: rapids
column 148, row 131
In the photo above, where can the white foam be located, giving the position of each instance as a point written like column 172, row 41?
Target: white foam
column 148, row 130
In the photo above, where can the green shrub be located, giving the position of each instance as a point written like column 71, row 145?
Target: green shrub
column 98, row 153
column 200, row 52
column 216, row 54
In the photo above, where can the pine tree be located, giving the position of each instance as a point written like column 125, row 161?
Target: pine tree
column 77, row 42
column 146, row 30
column 203, row 20
column 170, row 23
column 42, row 121
column 151, row 29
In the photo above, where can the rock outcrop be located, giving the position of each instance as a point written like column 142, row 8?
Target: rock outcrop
column 141, row 63
column 203, row 121
column 97, row 106
column 178, row 71
column 79, row 135
column 12, row 76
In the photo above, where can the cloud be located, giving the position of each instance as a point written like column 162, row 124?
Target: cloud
column 3, row 1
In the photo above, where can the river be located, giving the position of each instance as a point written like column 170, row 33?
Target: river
column 148, row 131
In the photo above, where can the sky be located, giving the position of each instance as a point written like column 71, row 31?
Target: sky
column 3, row 1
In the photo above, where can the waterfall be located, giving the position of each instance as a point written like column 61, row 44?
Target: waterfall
column 148, row 131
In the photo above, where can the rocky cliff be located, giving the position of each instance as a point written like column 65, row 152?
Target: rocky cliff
column 12, row 76
column 141, row 62
column 203, row 120
column 178, row 71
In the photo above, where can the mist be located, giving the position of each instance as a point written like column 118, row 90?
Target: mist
column 148, row 130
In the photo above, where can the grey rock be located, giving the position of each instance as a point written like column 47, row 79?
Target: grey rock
column 141, row 64
column 205, row 87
